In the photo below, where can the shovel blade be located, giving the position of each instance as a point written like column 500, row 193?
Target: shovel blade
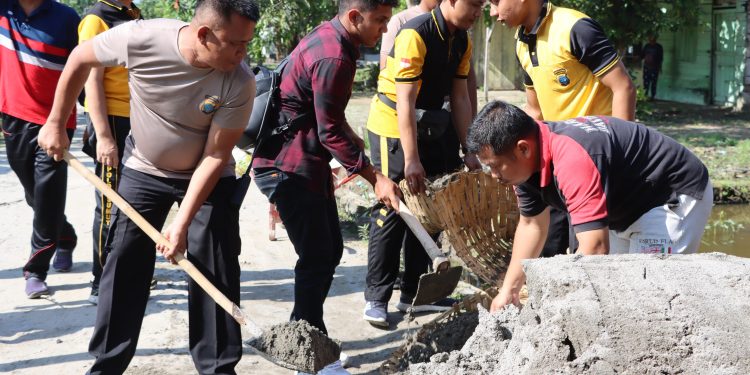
column 435, row 286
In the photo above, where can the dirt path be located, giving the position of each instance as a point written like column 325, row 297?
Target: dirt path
column 50, row 336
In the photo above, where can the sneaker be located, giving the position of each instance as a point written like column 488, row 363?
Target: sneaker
column 94, row 296
column 63, row 260
column 335, row 368
column 344, row 359
column 376, row 313
column 36, row 288
column 442, row 305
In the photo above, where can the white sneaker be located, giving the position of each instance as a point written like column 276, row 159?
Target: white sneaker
column 344, row 358
column 444, row 304
column 376, row 313
column 335, row 368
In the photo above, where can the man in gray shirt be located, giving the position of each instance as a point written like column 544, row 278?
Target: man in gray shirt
column 191, row 96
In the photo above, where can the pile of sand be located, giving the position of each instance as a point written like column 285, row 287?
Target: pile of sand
column 298, row 344
column 640, row 314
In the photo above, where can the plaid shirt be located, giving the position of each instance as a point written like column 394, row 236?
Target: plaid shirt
column 318, row 78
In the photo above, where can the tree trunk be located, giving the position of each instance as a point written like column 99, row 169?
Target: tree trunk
column 746, row 80
column 488, row 31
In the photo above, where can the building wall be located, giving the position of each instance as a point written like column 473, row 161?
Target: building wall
column 504, row 72
column 703, row 62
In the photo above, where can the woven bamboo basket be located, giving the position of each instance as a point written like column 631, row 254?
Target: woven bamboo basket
column 479, row 215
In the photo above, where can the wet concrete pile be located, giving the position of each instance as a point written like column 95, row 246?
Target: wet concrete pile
column 640, row 314
column 298, row 345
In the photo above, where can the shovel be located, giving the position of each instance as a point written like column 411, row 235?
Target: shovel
column 248, row 326
column 437, row 285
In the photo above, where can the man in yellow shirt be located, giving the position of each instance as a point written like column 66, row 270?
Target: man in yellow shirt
column 428, row 62
column 571, row 70
column 108, row 116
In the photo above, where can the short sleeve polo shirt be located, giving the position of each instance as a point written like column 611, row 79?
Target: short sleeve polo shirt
column 102, row 16
column 425, row 53
column 608, row 172
column 33, row 51
column 563, row 57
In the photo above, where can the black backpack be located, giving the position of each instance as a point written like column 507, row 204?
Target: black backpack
column 265, row 117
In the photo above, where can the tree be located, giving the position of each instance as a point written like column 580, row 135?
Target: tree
column 746, row 91
column 283, row 23
column 80, row 6
column 629, row 22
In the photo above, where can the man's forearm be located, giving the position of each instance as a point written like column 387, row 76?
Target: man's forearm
column 96, row 103
column 528, row 241
column 201, row 185
column 407, row 128
column 623, row 103
column 461, row 113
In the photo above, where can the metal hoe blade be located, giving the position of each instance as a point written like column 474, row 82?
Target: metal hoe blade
column 435, row 286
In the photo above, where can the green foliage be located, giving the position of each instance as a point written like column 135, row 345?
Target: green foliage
column 629, row 22
column 80, row 6
column 283, row 23
column 366, row 78
column 721, row 232
column 166, row 9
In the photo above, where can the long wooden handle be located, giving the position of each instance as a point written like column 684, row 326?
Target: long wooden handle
column 157, row 237
column 438, row 260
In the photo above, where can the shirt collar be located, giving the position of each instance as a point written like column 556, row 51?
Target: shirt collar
column 43, row 7
column 352, row 47
column 546, row 154
column 120, row 6
column 437, row 17
column 543, row 16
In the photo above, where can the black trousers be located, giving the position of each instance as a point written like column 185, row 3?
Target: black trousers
column 312, row 222
column 45, row 184
column 120, row 128
column 560, row 235
column 213, row 246
column 650, row 77
column 388, row 232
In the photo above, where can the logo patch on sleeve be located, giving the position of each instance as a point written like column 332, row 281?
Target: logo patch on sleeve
column 405, row 63
column 210, row 104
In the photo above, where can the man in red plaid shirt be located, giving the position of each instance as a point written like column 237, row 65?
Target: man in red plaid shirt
column 293, row 170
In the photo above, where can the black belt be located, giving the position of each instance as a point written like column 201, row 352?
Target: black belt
column 387, row 101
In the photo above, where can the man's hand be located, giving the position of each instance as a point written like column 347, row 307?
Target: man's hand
column 505, row 298
column 387, row 191
column 414, row 175
column 106, row 152
column 472, row 162
column 177, row 236
column 53, row 140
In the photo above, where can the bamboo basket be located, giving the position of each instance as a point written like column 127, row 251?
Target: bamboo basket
column 479, row 215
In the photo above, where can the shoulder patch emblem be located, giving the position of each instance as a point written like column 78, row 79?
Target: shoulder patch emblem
column 210, row 104
column 405, row 63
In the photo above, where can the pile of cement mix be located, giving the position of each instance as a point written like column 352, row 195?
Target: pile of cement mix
column 639, row 314
column 300, row 345
column 443, row 337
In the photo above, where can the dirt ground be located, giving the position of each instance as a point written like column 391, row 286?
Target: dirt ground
column 50, row 336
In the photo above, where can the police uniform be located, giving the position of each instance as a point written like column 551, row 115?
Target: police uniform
column 426, row 54
column 563, row 57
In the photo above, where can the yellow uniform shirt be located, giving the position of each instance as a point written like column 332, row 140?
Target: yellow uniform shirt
column 563, row 58
column 426, row 54
column 101, row 17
